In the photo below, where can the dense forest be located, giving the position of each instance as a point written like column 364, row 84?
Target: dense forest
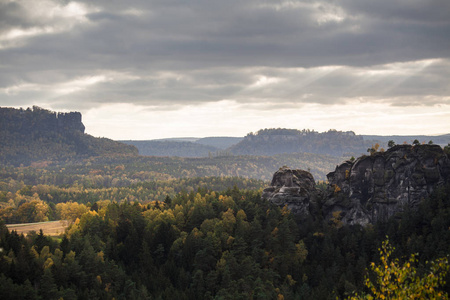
column 197, row 228
column 270, row 142
column 208, row 245
column 124, row 170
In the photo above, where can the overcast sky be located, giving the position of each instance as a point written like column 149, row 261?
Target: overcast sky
column 145, row 69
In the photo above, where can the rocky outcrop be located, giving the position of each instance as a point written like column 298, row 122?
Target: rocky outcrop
column 294, row 188
column 70, row 121
column 36, row 134
column 369, row 189
column 20, row 121
column 375, row 188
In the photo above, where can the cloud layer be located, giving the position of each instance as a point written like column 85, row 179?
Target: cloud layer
column 264, row 57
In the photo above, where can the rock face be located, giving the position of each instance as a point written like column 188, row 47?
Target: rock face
column 376, row 187
column 294, row 188
column 37, row 134
column 39, row 120
column 370, row 189
column 70, row 121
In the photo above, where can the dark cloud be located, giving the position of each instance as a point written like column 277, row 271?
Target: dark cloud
column 83, row 54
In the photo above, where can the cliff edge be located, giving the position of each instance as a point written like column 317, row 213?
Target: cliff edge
column 36, row 134
column 370, row 189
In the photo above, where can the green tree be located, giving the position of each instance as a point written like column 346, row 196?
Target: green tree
column 48, row 288
column 447, row 149
column 395, row 281
column 373, row 149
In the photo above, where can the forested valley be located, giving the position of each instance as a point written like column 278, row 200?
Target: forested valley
column 144, row 227
column 210, row 245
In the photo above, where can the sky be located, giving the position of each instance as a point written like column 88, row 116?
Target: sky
column 149, row 69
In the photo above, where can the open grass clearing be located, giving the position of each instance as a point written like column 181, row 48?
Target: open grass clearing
column 51, row 228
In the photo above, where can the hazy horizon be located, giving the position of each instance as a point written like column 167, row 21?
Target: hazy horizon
column 220, row 136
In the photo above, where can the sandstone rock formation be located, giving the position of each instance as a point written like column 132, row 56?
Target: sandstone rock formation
column 375, row 188
column 37, row 134
column 39, row 120
column 369, row 189
column 294, row 188
column 70, row 121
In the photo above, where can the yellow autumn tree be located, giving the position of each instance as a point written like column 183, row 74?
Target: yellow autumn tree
column 70, row 210
column 229, row 221
column 33, row 211
column 396, row 281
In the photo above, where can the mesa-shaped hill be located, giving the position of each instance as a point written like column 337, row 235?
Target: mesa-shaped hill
column 332, row 142
column 37, row 134
column 277, row 141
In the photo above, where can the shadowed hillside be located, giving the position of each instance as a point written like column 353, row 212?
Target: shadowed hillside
column 38, row 134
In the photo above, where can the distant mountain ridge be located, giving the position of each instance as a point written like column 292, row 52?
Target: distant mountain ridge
column 332, row 142
column 171, row 147
column 184, row 147
column 221, row 142
column 37, row 134
column 275, row 141
column 441, row 140
column 280, row 140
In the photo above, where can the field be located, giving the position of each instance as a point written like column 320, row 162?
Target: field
column 52, row 228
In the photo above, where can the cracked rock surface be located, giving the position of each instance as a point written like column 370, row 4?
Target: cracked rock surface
column 370, row 189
